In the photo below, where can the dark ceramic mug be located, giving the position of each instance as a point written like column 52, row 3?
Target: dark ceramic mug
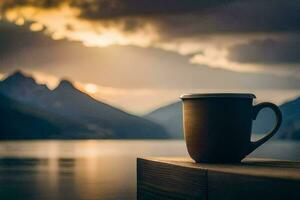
column 217, row 127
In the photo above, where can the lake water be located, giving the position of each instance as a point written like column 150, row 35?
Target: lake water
column 91, row 169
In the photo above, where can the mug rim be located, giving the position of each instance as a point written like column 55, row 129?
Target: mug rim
column 217, row 95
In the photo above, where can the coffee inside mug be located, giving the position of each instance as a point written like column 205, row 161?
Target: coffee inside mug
column 217, row 126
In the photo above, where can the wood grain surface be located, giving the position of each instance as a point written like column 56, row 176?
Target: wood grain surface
column 182, row 178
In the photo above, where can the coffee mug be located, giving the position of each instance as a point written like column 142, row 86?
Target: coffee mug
column 217, row 127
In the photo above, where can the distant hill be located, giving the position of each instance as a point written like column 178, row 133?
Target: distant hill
column 170, row 117
column 73, row 113
column 291, row 123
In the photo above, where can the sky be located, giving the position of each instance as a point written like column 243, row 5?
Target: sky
column 141, row 54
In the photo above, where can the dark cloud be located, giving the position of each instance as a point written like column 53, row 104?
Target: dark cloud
column 254, row 16
column 36, row 3
column 206, row 16
column 188, row 17
column 16, row 38
column 285, row 50
column 120, row 8
column 96, row 9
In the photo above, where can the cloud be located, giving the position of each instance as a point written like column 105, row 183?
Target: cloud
column 16, row 38
column 280, row 51
column 103, row 9
column 207, row 16
column 204, row 31
column 121, row 66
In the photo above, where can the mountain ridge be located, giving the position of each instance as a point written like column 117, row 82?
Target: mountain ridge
column 69, row 105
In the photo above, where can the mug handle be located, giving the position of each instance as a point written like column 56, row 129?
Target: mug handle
column 278, row 114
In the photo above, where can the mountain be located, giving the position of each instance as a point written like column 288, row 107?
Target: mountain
column 290, row 128
column 21, row 121
column 170, row 117
column 17, row 123
column 75, row 113
column 23, row 88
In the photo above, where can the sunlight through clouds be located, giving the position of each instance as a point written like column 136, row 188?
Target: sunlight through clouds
column 91, row 88
column 64, row 22
column 205, row 38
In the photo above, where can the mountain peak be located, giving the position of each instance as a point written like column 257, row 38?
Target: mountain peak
column 65, row 84
column 19, row 77
column 18, row 73
column 22, row 87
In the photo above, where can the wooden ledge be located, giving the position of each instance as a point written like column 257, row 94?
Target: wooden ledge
column 182, row 178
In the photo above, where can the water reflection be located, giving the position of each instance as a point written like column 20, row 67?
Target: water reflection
column 89, row 169
column 75, row 169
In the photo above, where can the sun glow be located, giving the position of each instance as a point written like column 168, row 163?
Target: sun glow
column 2, row 76
column 91, row 88
column 36, row 27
